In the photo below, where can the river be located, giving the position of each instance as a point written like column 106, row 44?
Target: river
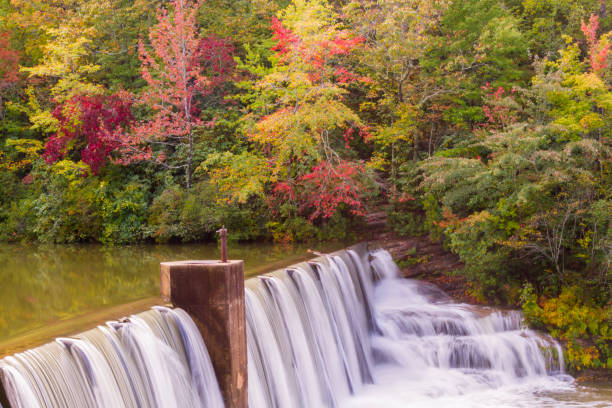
column 52, row 290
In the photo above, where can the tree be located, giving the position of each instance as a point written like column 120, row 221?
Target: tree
column 299, row 123
column 525, row 201
column 181, row 70
column 397, row 37
column 67, row 68
column 9, row 67
column 86, row 121
column 119, row 24
column 546, row 22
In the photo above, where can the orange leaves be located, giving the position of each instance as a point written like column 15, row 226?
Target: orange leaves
column 9, row 61
column 182, row 70
column 599, row 48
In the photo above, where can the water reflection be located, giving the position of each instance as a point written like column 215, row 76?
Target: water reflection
column 40, row 285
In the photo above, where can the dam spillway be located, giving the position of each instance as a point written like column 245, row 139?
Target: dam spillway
column 153, row 359
column 342, row 330
column 346, row 331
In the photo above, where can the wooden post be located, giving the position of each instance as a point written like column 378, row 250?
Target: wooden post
column 212, row 293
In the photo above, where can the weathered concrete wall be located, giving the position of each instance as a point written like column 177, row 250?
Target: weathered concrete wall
column 212, row 293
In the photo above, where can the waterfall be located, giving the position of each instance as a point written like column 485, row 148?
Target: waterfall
column 154, row 359
column 377, row 340
column 343, row 330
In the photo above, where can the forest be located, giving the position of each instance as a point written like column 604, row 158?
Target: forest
column 485, row 124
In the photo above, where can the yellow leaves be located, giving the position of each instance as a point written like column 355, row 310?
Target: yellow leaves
column 586, row 83
column 300, row 130
column 65, row 59
column 402, row 129
column 72, row 172
column 591, row 121
column 568, row 318
column 581, row 357
column 29, row 150
column 237, row 176
column 308, row 19
column 30, row 147
column 477, row 218
column 378, row 162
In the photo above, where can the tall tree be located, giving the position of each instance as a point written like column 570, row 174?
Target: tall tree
column 180, row 70
column 300, row 123
column 397, row 36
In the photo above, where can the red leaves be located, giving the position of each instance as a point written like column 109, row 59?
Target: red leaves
column 319, row 55
column 499, row 114
column 9, row 61
column 172, row 69
column 598, row 53
column 331, row 185
column 325, row 190
column 181, row 70
column 85, row 123
column 285, row 39
column 328, row 187
column 214, row 57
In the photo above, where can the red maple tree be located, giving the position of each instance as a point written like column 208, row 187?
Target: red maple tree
column 86, row 121
column 328, row 187
column 598, row 51
column 181, row 71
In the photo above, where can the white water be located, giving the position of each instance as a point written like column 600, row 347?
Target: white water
column 380, row 341
column 341, row 331
column 154, row 359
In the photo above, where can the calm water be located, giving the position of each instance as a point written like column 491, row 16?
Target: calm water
column 42, row 286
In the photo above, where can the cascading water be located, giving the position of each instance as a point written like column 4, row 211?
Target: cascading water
column 377, row 340
column 154, row 359
column 340, row 331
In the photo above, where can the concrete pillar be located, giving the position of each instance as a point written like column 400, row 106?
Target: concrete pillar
column 3, row 398
column 212, row 292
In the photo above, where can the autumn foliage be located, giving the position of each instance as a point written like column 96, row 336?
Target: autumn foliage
column 85, row 125
column 181, row 70
column 317, row 54
column 599, row 48
column 328, row 187
column 9, row 61
column 306, row 132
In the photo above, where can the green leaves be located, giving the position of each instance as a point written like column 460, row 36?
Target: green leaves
column 528, row 189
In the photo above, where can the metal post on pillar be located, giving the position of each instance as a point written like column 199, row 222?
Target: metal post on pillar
column 212, row 292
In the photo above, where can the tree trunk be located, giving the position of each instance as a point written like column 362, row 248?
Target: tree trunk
column 189, row 158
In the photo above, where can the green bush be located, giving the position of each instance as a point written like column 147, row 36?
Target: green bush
column 195, row 215
column 585, row 328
